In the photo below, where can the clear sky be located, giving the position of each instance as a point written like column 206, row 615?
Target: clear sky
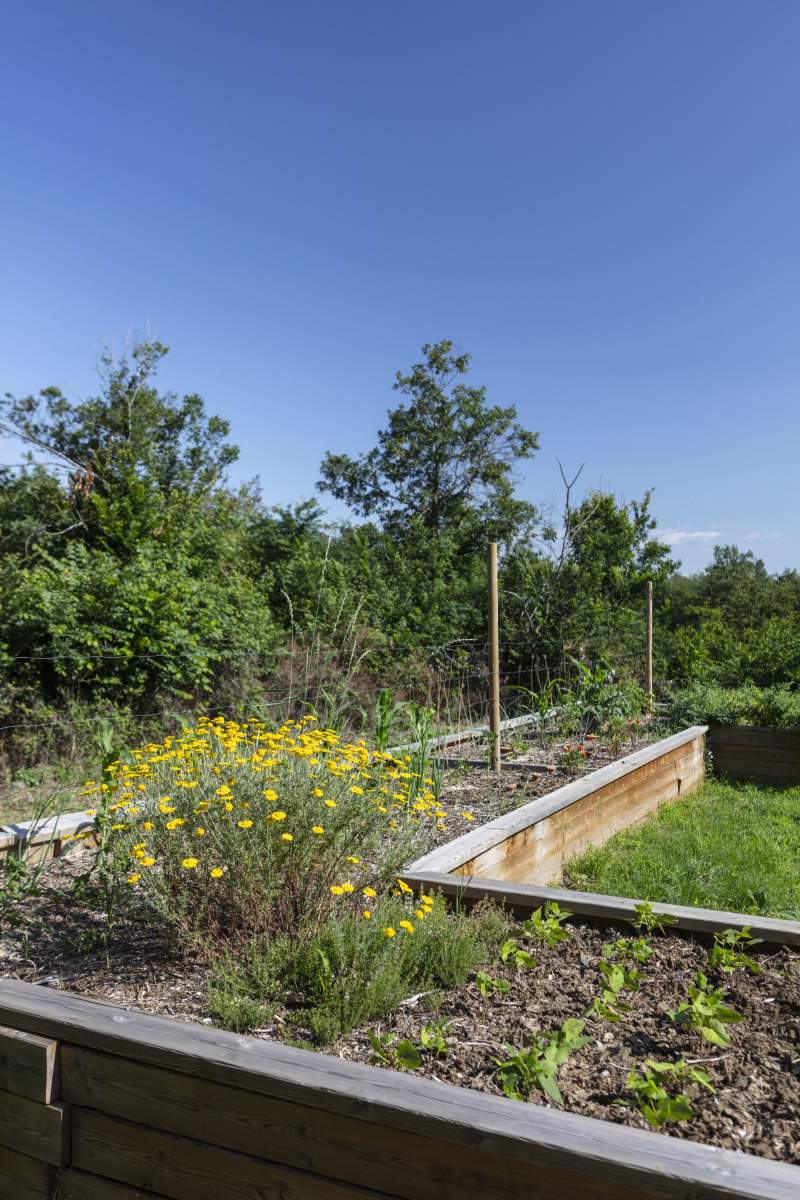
column 598, row 199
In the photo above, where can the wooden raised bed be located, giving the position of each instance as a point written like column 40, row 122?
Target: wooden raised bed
column 99, row 1103
column 531, row 844
column 769, row 756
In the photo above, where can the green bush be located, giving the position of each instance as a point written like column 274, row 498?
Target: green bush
column 711, row 704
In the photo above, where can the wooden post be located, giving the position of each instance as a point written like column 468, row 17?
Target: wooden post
column 494, row 657
column 650, row 644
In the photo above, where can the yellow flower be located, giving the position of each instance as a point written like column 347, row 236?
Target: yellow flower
column 426, row 899
column 216, row 872
column 353, row 858
column 317, row 792
column 403, row 886
column 175, row 823
column 337, row 890
column 330, row 803
column 189, row 864
column 228, row 806
column 348, row 887
column 366, row 914
column 147, row 862
column 245, row 824
column 270, row 794
column 468, row 816
column 317, row 829
column 370, row 892
column 200, row 831
column 390, row 932
column 357, row 791
column 287, row 837
column 132, row 879
column 277, row 816
column 224, row 790
column 419, row 913
column 148, row 825
column 409, row 928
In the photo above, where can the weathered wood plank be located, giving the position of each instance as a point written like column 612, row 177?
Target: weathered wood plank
column 184, row 1169
column 23, row 1177
column 522, row 899
column 754, row 735
column 28, row 1065
column 78, row 1185
column 567, row 1155
column 319, row 1141
column 40, row 1130
column 687, row 744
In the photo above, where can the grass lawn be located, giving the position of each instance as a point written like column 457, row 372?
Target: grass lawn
column 728, row 846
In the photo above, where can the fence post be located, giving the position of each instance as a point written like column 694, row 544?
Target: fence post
column 494, row 657
column 650, row 644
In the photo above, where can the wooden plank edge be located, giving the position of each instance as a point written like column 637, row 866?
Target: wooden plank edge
column 469, row 845
column 532, row 1133
column 527, row 897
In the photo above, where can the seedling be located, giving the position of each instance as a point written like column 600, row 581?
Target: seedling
column 433, row 1035
column 400, row 1055
column 546, row 924
column 628, row 950
column 510, row 952
column 487, row 986
column 725, row 957
column 706, row 1012
column 608, row 1005
column 537, row 1064
column 647, row 920
column 650, row 1085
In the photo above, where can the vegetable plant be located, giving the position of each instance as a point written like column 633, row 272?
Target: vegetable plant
column 628, row 949
column 724, row 956
column 647, row 920
column 546, row 924
column 510, row 952
column 433, row 1035
column 487, row 986
column 706, row 1012
column 536, row 1065
column 400, row 1055
column 608, row 1005
column 653, row 1087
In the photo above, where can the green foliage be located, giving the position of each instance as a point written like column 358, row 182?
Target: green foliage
column 433, row 1036
column 487, row 986
column 731, row 847
column 398, row 1053
column 536, row 1065
column 703, row 703
column 650, row 921
column 628, row 950
column 511, row 952
column 653, row 1086
column 546, row 924
column 726, row 956
column 617, row 978
column 706, row 1012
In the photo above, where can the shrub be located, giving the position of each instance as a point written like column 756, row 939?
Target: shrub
column 233, row 830
column 710, row 704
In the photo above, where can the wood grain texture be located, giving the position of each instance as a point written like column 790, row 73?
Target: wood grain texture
column 184, row 1169
column 770, row 756
column 23, row 1177
column 39, row 1130
column 687, row 745
column 566, row 1155
column 522, row 899
column 78, row 1185
column 28, row 1065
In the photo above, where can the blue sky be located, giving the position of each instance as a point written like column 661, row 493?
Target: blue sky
column 597, row 199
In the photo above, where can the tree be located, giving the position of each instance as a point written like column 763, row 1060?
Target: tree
column 130, row 454
column 444, row 463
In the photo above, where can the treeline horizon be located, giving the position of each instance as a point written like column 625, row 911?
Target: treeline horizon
column 135, row 577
